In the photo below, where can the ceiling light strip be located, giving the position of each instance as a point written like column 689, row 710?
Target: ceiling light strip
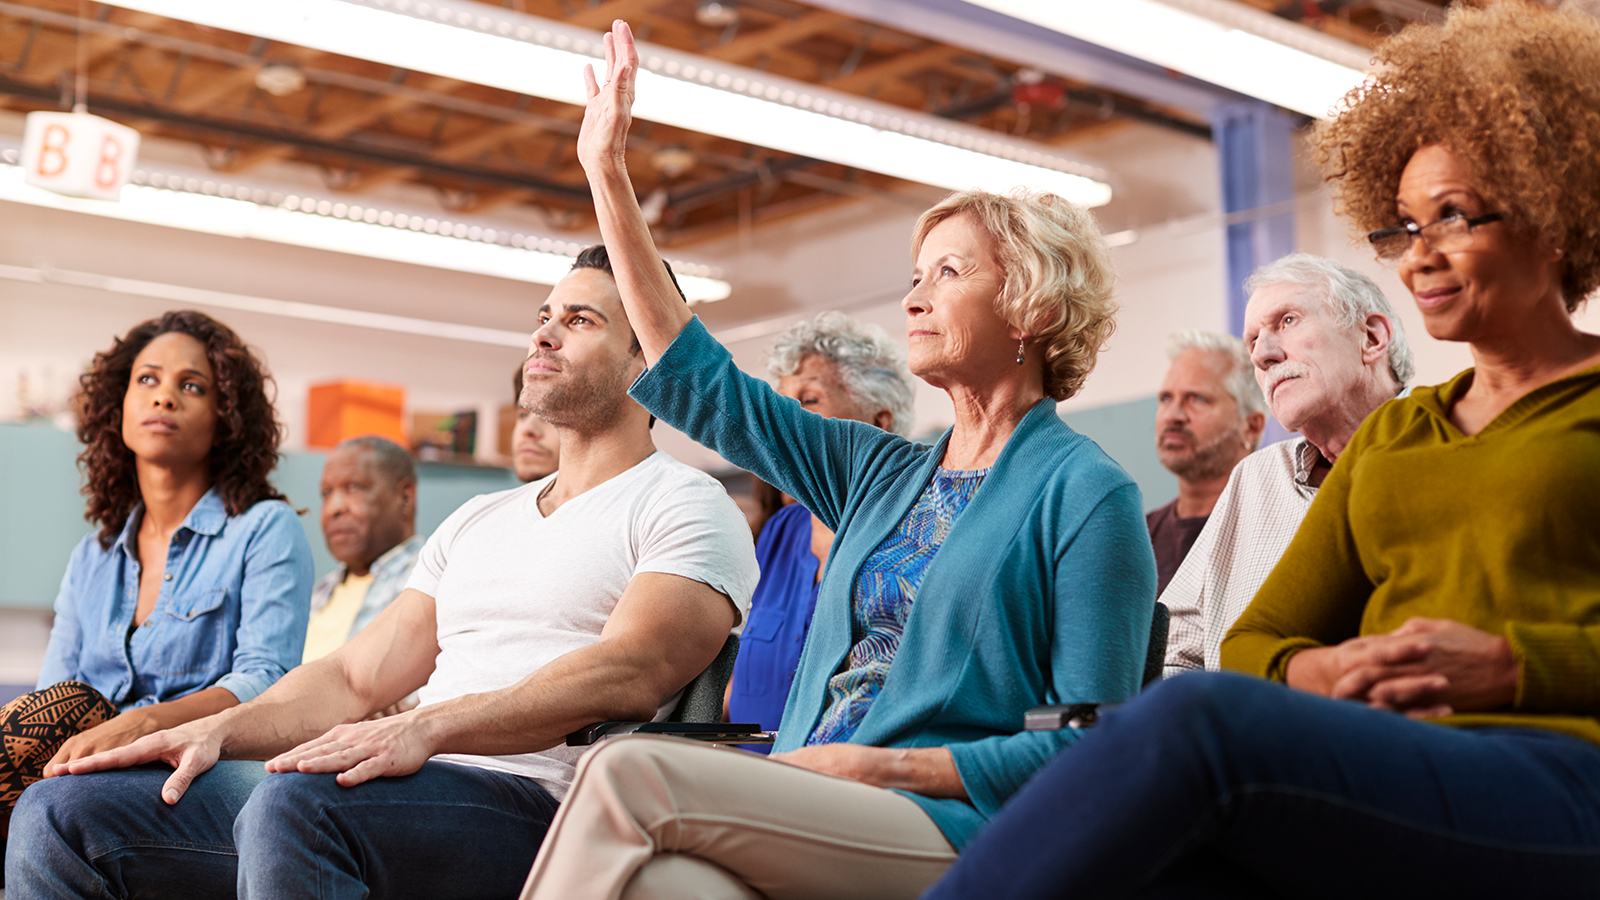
column 1220, row 41
column 501, row 48
column 335, row 315
column 182, row 200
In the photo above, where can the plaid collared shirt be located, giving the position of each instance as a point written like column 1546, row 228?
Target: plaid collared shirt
column 390, row 572
column 1250, row 527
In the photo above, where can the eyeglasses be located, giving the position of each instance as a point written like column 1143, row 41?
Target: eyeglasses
column 1449, row 234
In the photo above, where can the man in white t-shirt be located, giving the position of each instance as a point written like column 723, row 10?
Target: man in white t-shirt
column 592, row 594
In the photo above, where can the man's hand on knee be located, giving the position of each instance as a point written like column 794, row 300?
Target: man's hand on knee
column 362, row 751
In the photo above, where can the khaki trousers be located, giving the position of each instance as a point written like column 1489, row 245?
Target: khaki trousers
column 651, row 818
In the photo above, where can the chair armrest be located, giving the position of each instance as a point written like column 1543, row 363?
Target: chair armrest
column 713, row 732
column 1062, row 715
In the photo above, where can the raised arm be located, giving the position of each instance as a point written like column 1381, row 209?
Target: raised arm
column 654, row 308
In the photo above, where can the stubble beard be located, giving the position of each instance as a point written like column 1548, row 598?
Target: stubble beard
column 586, row 401
column 1212, row 459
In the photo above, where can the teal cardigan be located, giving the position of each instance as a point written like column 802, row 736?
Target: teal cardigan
column 1042, row 591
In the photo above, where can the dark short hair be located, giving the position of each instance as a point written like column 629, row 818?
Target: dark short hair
column 596, row 257
column 387, row 457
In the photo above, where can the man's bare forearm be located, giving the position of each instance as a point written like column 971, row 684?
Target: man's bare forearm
column 602, row 682
column 306, row 702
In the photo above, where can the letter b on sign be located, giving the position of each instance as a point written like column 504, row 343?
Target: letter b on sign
column 78, row 154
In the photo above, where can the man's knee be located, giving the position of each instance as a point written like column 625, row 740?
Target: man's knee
column 280, row 800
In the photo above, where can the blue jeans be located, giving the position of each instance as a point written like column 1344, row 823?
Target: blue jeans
column 446, row 831
column 1219, row 785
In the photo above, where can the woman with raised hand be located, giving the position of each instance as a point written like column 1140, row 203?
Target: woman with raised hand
column 1003, row 567
column 1438, row 613
column 193, row 595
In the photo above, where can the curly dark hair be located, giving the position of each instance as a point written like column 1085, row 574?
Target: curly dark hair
column 1513, row 90
column 244, row 448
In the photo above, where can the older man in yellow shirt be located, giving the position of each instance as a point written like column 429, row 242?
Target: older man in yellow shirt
column 369, row 511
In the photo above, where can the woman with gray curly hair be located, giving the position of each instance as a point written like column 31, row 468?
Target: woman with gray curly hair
column 837, row 368
column 1003, row 567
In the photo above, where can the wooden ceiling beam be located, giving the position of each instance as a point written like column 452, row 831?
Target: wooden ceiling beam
column 338, row 126
column 97, row 48
column 600, row 17
column 750, row 46
column 230, row 79
column 863, row 78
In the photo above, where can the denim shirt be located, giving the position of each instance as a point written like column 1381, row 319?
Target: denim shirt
column 231, row 613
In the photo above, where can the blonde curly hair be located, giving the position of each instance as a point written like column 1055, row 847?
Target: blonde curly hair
column 1058, row 275
column 1513, row 90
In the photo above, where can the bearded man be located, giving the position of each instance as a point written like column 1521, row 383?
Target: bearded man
column 1210, row 415
column 592, row 594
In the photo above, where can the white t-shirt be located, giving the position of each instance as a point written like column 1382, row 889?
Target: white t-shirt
column 514, row 590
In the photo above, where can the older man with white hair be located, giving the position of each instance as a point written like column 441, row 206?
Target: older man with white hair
column 1328, row 350
column 1209, row 416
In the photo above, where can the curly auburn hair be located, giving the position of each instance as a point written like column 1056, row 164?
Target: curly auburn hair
column 244, row 447
column 1513, row 90
column 1058, row 275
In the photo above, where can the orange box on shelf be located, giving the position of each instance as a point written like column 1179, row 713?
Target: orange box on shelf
column 340, row 410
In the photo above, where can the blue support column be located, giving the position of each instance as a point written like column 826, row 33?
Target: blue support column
column 1255, row 153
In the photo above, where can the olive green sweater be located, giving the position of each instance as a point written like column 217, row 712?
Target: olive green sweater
column 1499, row 530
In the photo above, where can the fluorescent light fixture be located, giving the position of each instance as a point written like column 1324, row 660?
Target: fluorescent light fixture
column 209, row 206
column 488, row 45
column 1220, row 41
column 313, row 312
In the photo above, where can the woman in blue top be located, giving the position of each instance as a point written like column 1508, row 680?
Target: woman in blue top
column 194, row 594
column 1003, row 567
column 840, row 369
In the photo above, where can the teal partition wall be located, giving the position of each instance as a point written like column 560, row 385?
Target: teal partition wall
column 1127, row 432
column 41, row 511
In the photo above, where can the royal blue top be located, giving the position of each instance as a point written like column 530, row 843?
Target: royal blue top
column 780, row 616
column 1041, row 593
column 232, row 610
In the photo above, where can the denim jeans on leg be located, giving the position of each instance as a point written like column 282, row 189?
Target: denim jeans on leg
column 111, row 835
column 1223, row 785
column 446, row 831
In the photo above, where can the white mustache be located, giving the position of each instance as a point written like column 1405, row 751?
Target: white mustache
column 1282, row 372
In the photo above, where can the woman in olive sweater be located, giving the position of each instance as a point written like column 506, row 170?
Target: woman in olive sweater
column 1438, row 613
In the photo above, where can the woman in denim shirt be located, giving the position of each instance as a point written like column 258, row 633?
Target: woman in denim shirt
column 194, row 594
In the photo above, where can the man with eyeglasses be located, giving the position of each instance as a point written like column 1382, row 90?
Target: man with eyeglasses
column 1328, row 350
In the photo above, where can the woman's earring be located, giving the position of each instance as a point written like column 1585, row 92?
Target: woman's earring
column 1019, row 351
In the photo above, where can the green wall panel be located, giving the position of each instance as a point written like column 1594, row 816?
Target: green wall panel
column 41, row 511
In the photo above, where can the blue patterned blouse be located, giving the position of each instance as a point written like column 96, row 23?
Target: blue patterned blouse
column 885, row 588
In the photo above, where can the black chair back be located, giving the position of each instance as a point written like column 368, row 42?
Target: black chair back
column 702, row 698
column 1155, row 658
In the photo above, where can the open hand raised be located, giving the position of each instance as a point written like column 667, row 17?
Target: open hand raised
column 603, row 137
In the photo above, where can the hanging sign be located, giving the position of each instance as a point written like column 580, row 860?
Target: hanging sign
column 78, row 154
